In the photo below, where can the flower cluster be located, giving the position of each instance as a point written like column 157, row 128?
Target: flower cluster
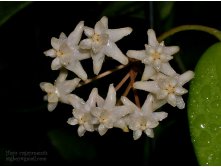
column 98, row 114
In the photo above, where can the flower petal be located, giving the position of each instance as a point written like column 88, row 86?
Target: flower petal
column 75, row 36
column 86, row 43
column 52, row 106
column 117, row 34
column 158, row 103
column 75, row 101
column 55, row 65
column 149, row 72
column 70, row 85
column 136, row 54
column 180, row 103
column 72, row 121
column 81, row 130
column 137, row 134
column 102, row 129
column 185, row 77
column 76, row 67
column 172, row 100
column 149, row 86
column 62, row 36
column 100, row 28
column 89, row 32
column 55, row 43
column 128, row 103
column 111, row 50
column 110, row 100
column 89, row 127
column 180, row 91
column 98, row 60
column 52, row 98
column 96, row 112
column 159, row 116
column 152, row 40
column 170, row 50
column 91, row 102
column 47, row 87
column 147, row 106
column 104, row 20
column 162, row 94
column 50, row 53
column 62, row 76
column 121, row 124
column 149, row 133
column 167, row 69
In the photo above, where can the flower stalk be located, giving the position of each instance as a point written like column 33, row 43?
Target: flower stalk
column 212, row 31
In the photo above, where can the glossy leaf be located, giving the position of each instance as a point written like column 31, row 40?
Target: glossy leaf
column 204, row 107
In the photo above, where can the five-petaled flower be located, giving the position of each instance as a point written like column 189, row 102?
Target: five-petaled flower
column 60, row 91
column 144, row 119
column 108, row 114
column 101, row 42
column 167, row 89
column 66, row 52
column 82, row 114
column 156, row 57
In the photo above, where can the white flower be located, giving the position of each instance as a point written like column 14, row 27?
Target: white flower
column 82, row 114
column 108, row 114
column 101, row 42
column 59, row 91
column 144, row 119
column 156, row 57
column 168, row 88
column 66, row 52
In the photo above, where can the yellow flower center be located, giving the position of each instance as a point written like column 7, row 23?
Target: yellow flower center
column 81, row 121
column 170, row 89
column 96, row 38
column 155, row 55
column 59, row 53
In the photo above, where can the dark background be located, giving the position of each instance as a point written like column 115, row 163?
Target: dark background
column 25, row 123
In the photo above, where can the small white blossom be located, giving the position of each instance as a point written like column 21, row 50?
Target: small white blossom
column 108, row 114
column 156, row 57
column 101, row 42
column 59, row 91
column 66, row 52
column 82, row 114
column 169, row 89
column 144, row 119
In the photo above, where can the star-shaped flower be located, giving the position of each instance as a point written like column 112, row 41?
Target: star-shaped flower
column 101, row 42
column 82, row 114
column 66, row 52
column 59, row 91
column 144, row 119
column 168, row 88
column 156, row 57
column 108, row 114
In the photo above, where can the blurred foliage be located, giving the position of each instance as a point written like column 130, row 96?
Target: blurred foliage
column 23, row 67
column 129, row 8
column 8, row 9
column 71, row 147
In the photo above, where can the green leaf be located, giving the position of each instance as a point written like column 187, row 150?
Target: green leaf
column 8, row 9
column 165, row 8
column 72, row 147
column 124, row 8
column 204, row 107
